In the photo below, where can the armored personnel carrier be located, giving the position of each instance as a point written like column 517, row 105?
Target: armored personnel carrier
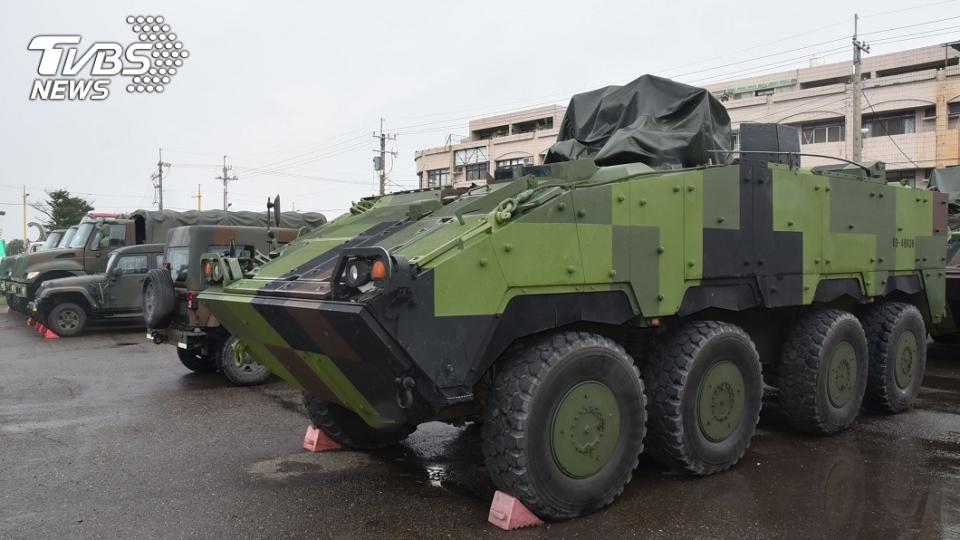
column 632, row 294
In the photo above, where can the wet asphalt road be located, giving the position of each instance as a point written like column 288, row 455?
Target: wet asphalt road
column 107, row 435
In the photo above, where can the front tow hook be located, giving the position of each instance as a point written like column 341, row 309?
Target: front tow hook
column 405, row 386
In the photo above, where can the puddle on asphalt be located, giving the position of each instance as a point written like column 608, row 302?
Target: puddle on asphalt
column 284, row 467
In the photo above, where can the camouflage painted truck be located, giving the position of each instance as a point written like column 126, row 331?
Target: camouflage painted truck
column 633, row 294
column 89, row 249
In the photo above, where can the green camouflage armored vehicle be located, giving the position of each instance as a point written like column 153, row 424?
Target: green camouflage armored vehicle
column 633, row 293
column 68, row 305
column 174, row 312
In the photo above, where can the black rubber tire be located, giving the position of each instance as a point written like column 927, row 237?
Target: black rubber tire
column 79, row 319
column 530, row 383
column 884, row 324
column 250, row 373
column 196, row 362
column 803, row 371
column 348, row 429
column 674, row 376
column 159, row 298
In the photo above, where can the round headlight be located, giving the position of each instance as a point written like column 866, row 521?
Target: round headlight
column 216, row 273
column 357, row 273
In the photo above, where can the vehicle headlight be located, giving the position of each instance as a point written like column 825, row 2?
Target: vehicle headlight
column 358, row 273
column 31, row 275
column 212, row 271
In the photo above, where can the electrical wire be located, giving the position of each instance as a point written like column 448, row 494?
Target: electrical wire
column 887, row 133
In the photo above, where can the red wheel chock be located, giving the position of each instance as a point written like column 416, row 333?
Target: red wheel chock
column 48, row 333
column 317, row 441
column 508, row 513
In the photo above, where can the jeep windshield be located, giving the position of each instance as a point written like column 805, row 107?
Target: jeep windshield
column 83, row 233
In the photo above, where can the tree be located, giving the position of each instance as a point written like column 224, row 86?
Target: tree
column 14, row 247
column 62, row 210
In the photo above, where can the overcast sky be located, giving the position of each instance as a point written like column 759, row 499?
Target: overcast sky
column 297, row 88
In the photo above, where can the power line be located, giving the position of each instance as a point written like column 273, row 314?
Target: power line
column 887, row 133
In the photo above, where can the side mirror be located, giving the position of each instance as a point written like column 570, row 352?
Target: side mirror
column 276, row 210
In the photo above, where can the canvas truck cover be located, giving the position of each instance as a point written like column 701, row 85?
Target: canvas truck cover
column 651, row 120
column 157, row 223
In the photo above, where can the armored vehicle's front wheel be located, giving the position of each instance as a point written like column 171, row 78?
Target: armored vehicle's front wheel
column 705, row 389
column 896, row 337
column 348, row 429
column 196, row 362
column 67, row 319
column 564, row 423
column 238, row 366
column 823, row 371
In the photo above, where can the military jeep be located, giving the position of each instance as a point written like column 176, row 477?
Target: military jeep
column 173, row 312
column 68, row 305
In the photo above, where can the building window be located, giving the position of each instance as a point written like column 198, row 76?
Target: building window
column 735, row 140
column 490, row 133
column 821, row 133
column 470, row 155
column 515, row 162
column 907, row 176
column 764, row 92
column 477, row 171
column 533, row 125
column 890, row 124
column 438, row 177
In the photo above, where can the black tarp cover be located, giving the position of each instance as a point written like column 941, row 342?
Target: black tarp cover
column 651, row 120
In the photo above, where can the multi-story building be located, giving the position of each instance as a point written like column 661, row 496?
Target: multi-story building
column 910, row 114
column 517, row 138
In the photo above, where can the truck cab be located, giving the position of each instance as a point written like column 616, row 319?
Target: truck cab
column 87, row 252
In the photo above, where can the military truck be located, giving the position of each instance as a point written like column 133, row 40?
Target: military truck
column 95, row 239
column 632, row 294
column 174, row 313
column 68, row 305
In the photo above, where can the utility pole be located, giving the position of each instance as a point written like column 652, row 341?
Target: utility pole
column 857, row 120
column 198, row 197
column 380, row 163
column 226, row 179
column 26, row 241
column 157, row 178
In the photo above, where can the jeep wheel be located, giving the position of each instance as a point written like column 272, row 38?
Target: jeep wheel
column 348, row 429
column 823, row 371
column 198, row 363
column 242, row 370
column 705, row 391
column 67, row 319
column 898, row 355
column 564, row 423
column 159, row 298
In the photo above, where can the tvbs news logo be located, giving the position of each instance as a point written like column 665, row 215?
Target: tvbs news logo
column 146, row 65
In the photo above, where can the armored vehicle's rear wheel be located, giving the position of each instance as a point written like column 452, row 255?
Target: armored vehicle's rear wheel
column 240, row 370
column 159, row 298
column 196, row 362
column 896, row 338
column 823, row 371
column 705, row 389
column 564, row 423
column 348, row 429
column 67, row 319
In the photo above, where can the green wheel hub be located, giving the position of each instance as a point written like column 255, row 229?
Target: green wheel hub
column 585, row 429
column 720, row 401
column 905, row 365
column 842, row 374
